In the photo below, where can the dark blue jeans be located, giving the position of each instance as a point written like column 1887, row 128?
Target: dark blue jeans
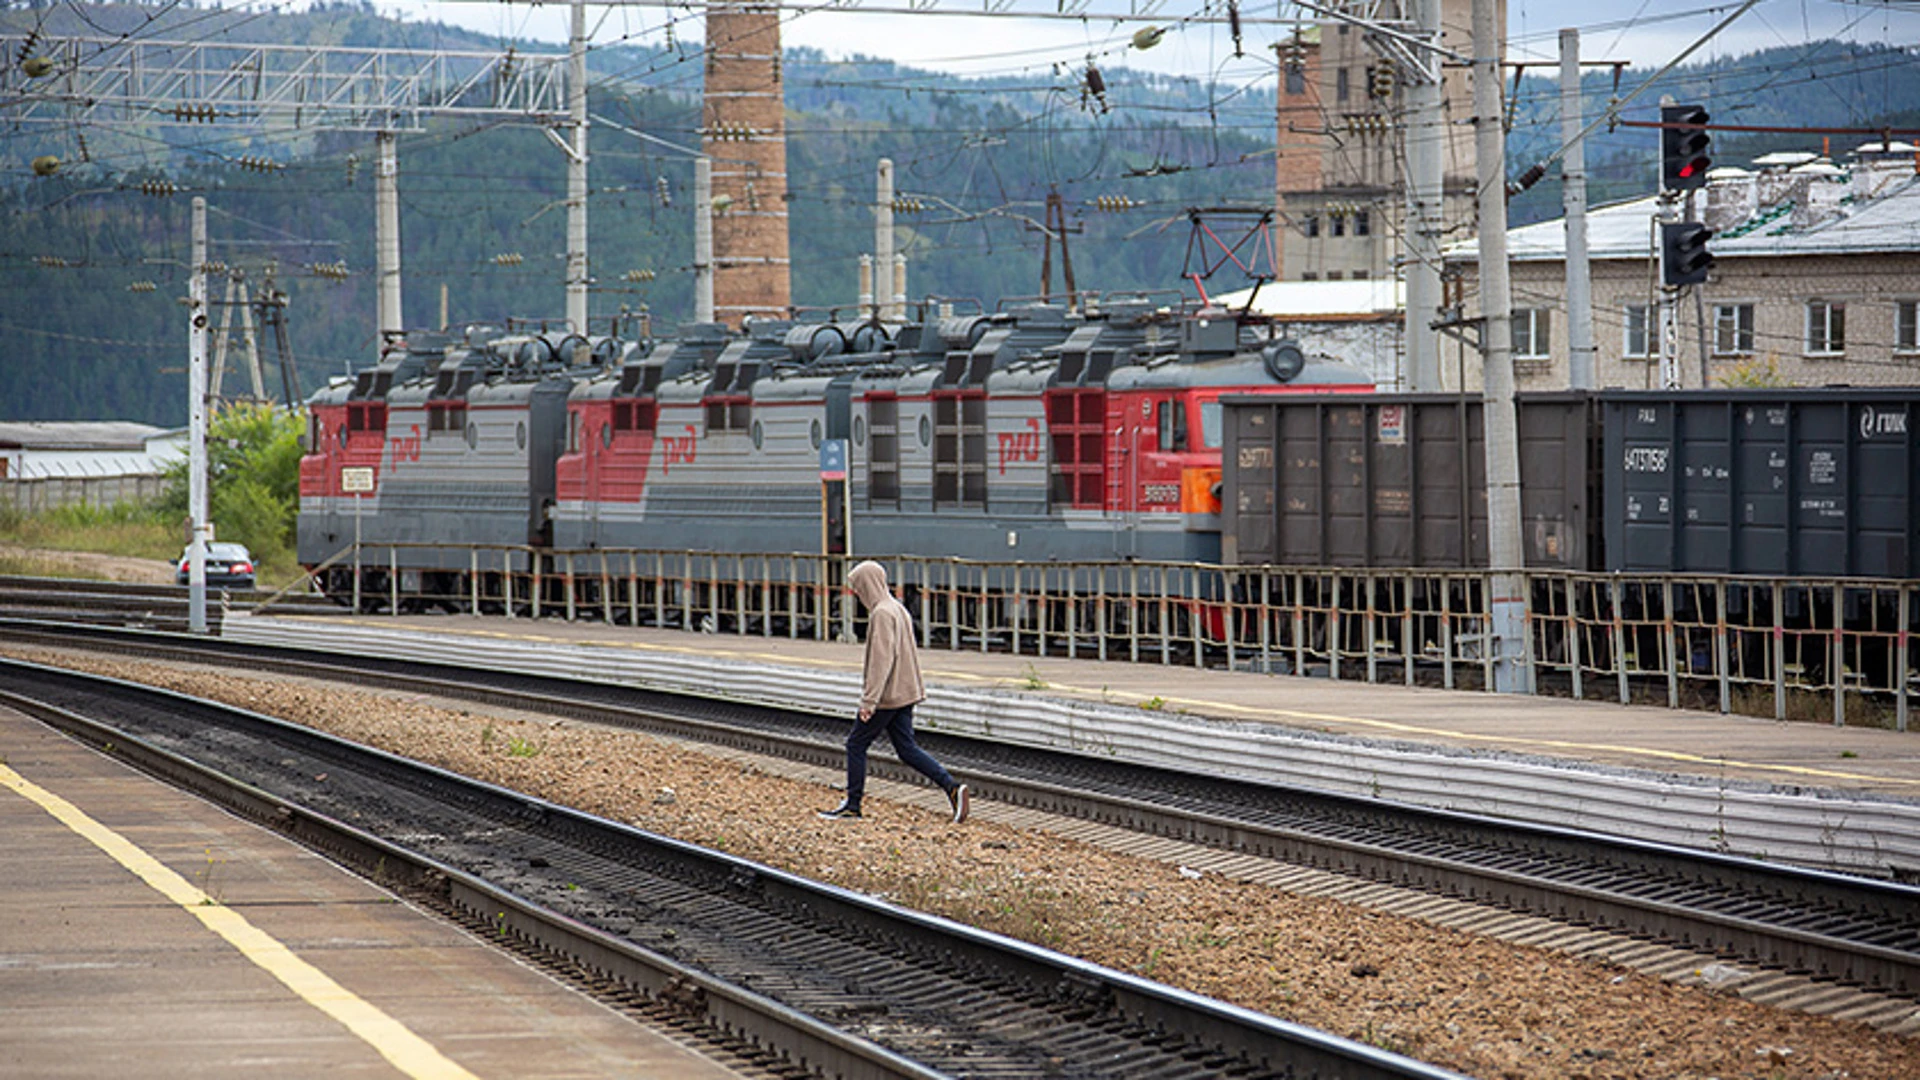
column 898, row 724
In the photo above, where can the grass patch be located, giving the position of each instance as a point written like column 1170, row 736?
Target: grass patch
column 127, row 530
column 133, row 530
column 35, row 566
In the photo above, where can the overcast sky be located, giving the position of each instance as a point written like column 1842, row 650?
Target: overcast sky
column 1645, row 32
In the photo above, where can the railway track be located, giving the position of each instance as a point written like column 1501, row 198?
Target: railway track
column 829, row 980
column 1852, row 931
column 129, row 604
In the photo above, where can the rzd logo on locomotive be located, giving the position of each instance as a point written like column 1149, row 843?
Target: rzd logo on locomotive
column 1018, row 446
column 680, row 451
column 405, row 447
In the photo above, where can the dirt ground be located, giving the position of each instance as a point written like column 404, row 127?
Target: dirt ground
column 110, row 567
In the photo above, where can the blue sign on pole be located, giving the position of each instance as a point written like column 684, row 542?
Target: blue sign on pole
column 833, row 459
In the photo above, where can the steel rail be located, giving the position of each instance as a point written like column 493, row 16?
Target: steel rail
column 726, row 1008
column 1163, row 1031
column 122, row 603
column 1853, row 930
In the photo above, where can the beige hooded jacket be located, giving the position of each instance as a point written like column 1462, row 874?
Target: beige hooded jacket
column 892, row 669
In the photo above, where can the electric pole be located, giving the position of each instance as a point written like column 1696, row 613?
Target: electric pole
column 386, row 241
column 577, row 272
column 202, row 529
column 1573, row 197
column 1426, row 168
column 1507, row 604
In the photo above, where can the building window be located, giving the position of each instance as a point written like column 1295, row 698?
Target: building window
column 1359, row 275
column 1333, row 275
column 1826, row 327
column 1339, row 223
column 1906, row 326
column 1309, row 276
column 1362, row 224
column 1340, row 84
column 1296, row 79
column 1312, row 225
column 1531, row 327
column 1639, row 341
column 1732, row 329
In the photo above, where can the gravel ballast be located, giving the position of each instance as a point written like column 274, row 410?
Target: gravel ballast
column 1483, row 1007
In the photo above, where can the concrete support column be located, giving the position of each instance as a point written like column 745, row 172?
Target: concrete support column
column 1508, row 601
column 1573, row 196
column 577, row 270
column 201, row 528
column 386, row 224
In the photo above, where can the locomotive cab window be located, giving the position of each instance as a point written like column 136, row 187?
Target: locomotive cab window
column 1211, row 425
column 1173, row 425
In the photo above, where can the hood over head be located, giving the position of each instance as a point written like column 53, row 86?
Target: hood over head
column 869, row 582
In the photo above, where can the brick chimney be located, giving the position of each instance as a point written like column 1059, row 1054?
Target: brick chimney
column 745, row 133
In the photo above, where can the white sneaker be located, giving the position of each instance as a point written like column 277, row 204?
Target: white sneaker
column 962, row 802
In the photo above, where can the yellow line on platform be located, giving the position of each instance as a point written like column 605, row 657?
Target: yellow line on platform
column 393, row 1040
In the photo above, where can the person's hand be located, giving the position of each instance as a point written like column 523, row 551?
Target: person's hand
column 866, row 715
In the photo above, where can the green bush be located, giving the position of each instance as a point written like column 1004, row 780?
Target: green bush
column 253, row 473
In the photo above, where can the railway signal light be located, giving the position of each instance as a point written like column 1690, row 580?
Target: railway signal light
column 1684, row 258
column 1683, row 147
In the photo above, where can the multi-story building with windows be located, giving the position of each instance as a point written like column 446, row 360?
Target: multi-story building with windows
column 1815, row 281
column 1341, row 163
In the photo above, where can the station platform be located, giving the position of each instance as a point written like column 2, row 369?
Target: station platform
column 144, row 932
column 1812, row 793
column 1585, row 732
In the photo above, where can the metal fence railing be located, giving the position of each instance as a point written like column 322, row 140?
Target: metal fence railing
column 1839, row 650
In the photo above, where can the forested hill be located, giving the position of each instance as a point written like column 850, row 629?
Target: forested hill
column 481, row 211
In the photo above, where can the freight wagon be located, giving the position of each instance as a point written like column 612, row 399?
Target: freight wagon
column 1810, row 483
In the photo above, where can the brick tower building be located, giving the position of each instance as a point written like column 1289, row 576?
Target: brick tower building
column 1341, row 165
column 744, row 132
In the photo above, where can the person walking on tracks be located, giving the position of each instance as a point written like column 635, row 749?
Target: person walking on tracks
column 890, row 688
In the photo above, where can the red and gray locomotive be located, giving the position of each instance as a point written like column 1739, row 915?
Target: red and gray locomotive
column 1035, row 433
